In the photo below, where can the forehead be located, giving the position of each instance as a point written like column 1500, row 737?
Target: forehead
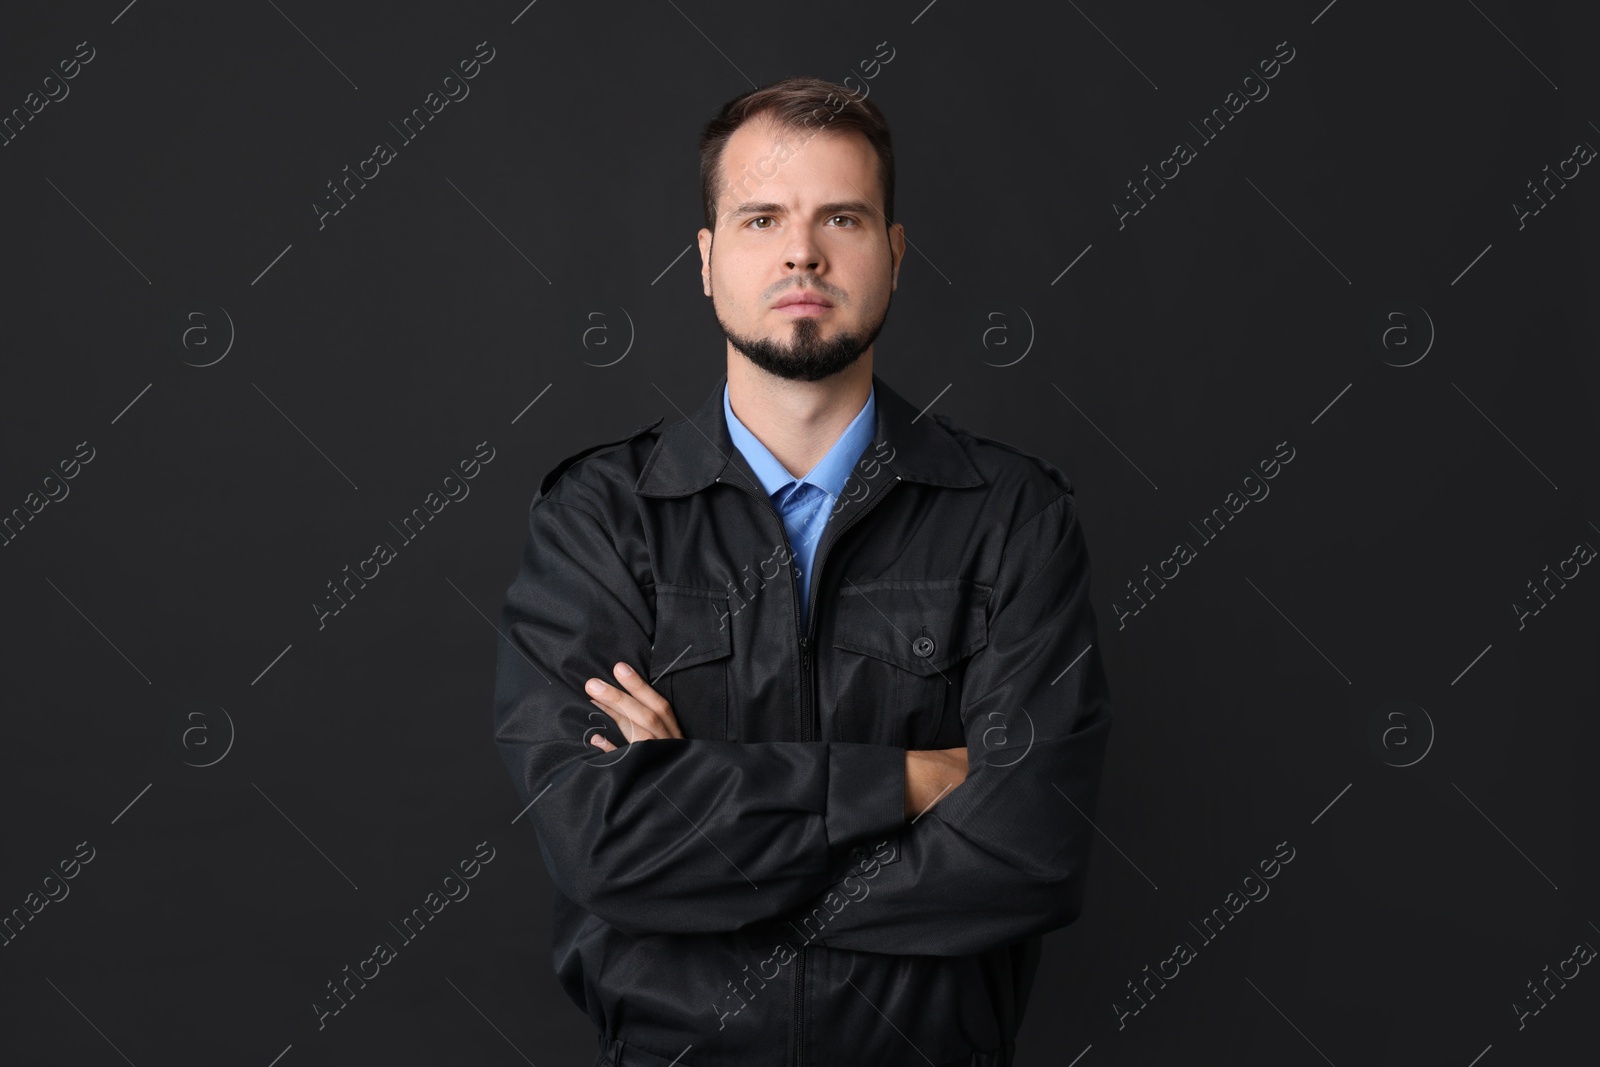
column 765, row 161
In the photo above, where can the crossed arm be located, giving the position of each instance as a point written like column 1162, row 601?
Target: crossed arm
column 642, row 714
column 692, row 836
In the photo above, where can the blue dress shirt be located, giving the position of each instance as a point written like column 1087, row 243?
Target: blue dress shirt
column 805, row 503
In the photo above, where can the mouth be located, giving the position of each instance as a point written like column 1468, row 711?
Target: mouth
column 803, row 303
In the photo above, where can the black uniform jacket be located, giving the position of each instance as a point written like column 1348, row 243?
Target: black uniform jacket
column 753, row 893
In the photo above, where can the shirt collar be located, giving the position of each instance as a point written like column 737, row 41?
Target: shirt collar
column 697, row 452
column 830, row 473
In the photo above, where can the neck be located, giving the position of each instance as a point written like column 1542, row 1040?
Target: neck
column 798, row 421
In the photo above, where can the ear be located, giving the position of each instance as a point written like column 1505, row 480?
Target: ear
column 897, row 252
column 704, row 237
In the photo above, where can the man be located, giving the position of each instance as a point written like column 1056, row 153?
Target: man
column 802, row 693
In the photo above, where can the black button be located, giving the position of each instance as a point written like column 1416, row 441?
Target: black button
column 923, row 646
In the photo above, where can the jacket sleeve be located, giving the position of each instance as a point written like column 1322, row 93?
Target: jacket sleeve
column 667, row 835
column 1003, row 856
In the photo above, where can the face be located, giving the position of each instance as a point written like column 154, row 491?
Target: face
column 813, row 229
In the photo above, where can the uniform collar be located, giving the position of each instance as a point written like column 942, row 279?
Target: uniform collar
column 830, row 472
column 699, row 451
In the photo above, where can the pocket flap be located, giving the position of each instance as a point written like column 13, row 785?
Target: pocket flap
column 922, row 626
column 692, row 626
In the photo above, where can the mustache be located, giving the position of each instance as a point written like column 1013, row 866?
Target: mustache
column 812, row 286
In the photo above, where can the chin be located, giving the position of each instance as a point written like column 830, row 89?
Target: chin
column 808, row 367
column 803, row 353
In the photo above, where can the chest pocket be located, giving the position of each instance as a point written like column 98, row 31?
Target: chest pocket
column 902, row 649
column 689, row 660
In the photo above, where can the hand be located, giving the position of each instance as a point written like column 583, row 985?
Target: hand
column 640, row 712
column 930, row 775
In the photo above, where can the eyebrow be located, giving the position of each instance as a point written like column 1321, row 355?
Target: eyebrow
column 860, row 207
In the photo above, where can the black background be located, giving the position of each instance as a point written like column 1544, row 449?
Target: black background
column 1359, row 216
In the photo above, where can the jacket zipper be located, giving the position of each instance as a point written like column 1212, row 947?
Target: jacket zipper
column 807, row 718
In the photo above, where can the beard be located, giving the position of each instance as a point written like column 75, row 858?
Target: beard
column 807, row 356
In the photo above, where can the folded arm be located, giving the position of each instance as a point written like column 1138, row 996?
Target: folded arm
column 1003, row 856
column 669, row 835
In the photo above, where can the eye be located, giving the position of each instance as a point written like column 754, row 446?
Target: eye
column 853, row 220
column 757, row 219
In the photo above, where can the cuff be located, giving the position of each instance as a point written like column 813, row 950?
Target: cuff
column 866, row 791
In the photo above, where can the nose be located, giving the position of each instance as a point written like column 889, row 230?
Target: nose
column 802, row 252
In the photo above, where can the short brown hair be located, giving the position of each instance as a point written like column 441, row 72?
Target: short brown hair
column 801, row 104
